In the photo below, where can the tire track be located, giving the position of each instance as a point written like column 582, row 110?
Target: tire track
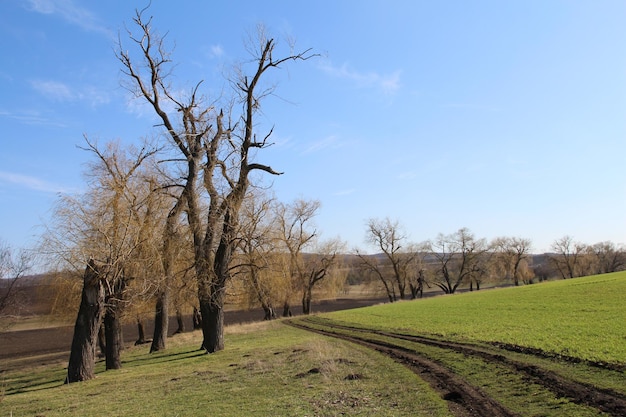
column 605, row 400
column 464, row 399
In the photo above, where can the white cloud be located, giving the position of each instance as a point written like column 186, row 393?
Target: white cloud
column 58, row 91
column 216, row 51
column 53, row 90
column 388, row 83
column 70, row 12
column 32, row 183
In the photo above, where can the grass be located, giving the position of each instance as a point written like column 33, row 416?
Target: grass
column 268, row 369
column 583, row 318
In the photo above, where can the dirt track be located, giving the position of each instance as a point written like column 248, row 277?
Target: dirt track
column 464, row 398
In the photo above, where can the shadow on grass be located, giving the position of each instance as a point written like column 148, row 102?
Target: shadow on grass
column 56, row 378
column 154, row 358
column 22, row 385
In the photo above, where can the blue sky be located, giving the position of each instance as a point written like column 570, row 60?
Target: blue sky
column 506, row 117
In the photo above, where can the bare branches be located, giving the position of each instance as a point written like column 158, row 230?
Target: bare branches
column 13, row 267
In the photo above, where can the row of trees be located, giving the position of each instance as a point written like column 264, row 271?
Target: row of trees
column 168, row 215
column 461, row 259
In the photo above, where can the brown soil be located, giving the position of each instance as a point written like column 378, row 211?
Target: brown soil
column 56, row 341
column 463, row 398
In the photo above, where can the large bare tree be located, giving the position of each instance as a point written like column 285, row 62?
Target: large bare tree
column 217, row 144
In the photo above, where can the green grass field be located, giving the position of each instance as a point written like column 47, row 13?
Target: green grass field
column 583, row 317
column 270, row 369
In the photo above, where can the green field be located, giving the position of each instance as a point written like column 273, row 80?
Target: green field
column 582, row 318
column 271, row 369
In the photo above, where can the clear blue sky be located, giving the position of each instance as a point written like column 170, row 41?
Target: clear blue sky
column 506, row 117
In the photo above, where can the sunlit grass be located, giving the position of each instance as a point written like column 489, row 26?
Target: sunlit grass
column 267, row 369
column 583, row 318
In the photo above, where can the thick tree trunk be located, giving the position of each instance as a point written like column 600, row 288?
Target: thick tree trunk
column 113, row 335
column 212, row 325
column 161, row 321
column 82, row 354
column 180, row 321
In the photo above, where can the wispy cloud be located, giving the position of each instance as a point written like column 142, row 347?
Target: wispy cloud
column 31, row 118
column 345, row 192
column 70, row 12
column 32, row 183
column 388, row 83
column 329, row 142
column 61, row 92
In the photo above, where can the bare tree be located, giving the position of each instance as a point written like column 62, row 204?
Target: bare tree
column 393, row 265
column 318, row 266
column 458, row 258
column 108, row 228
column 296, row 231
column 216, row 152
column 258, row 251
column 13, row 267
column 608, row 257
column 513, row 252
column 567, row 258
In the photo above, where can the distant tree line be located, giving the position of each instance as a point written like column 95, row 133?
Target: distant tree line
column 462, row 260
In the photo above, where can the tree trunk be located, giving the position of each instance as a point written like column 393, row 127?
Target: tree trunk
column 212, row 325
column 113, row 325
column 82, row 354
column 286, row 309
column 180, row 321
column 141, row 339
column 269, row 313
column 161, row 321
column 113, row 336
column 306, row 302
column 197, row 319
column 101, row 341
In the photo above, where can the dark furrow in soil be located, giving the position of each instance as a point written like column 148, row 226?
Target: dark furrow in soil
column 605, row 400
column 464, row 399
